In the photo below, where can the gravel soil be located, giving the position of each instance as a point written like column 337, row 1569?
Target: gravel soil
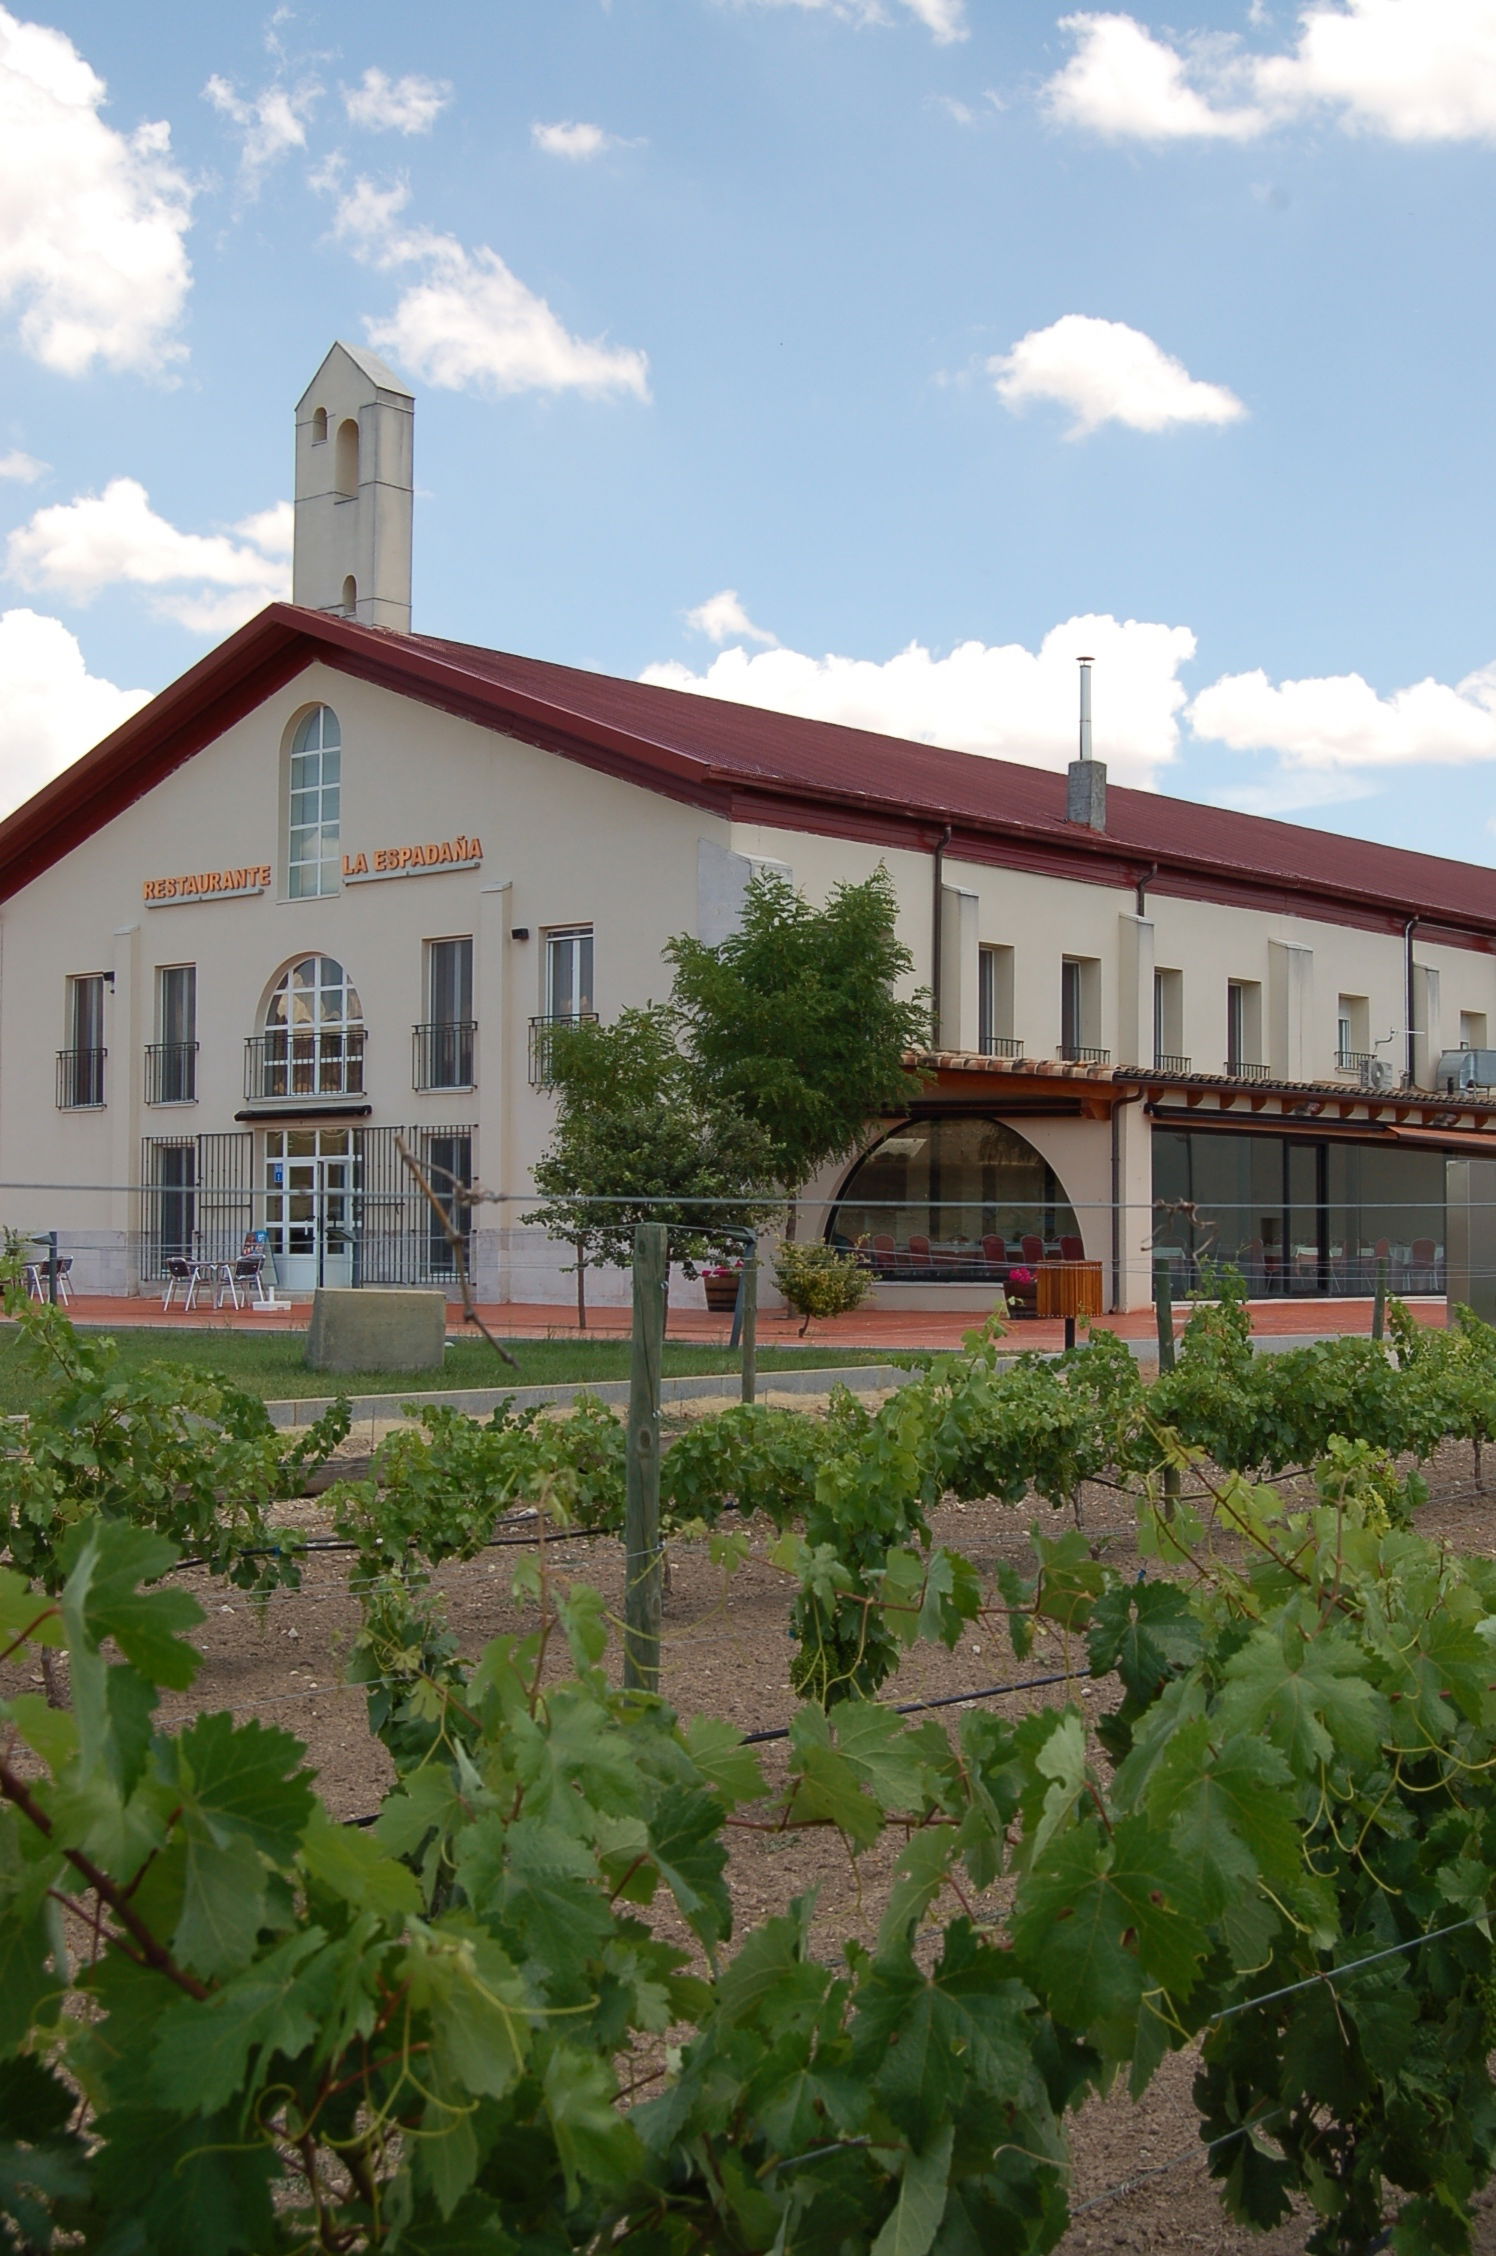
column 1139, row 2179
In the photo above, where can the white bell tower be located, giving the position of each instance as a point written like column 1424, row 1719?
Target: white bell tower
column 355, row 491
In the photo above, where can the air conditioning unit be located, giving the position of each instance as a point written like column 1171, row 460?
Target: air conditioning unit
column 1378, row 1074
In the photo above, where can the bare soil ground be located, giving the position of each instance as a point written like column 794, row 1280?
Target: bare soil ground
column 1139, row 2176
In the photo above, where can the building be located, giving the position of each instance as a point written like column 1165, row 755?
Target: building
column 339, row 880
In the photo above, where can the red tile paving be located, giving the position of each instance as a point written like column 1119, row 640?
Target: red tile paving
column 864, row 1328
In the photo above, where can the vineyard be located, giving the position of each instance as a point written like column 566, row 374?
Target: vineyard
column 1095, row 1724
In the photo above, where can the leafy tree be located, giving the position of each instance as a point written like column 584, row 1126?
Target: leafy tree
column 635, row 1128
column 795, row 1018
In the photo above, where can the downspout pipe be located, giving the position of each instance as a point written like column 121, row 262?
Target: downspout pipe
column 937, row 931
column 1411, row 1061
column 1141, row 885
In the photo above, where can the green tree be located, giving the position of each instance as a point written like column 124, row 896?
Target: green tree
column 795, row 1019
column 634, row 1128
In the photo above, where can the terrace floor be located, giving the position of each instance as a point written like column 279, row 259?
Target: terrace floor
column 864, row 1328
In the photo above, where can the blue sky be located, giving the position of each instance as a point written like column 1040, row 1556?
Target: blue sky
column 871, row 357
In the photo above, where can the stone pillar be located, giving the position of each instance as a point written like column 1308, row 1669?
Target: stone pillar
column 1290, row 1012
column 1428, row 1024
column 1135, row 959
column 959, row 969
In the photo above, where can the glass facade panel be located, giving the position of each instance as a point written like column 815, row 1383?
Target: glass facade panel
column 1299, row 1216
column 954, row 1200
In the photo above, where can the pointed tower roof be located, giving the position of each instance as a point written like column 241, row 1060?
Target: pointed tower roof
column 368, row 364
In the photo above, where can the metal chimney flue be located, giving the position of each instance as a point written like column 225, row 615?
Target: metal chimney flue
column 1085, row 794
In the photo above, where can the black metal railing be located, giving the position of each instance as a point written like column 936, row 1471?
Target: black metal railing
column 1354, row 1061
column 1080, row 1053
column 542, row 1035
column 1169, row 1061
column 1001, row 1045
column 1238, row 1069
column 305, row 1061
column 442, row 1054
column 80, row 1079
column 171, row 1073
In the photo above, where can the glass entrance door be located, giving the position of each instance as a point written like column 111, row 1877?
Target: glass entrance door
column 309, row 1206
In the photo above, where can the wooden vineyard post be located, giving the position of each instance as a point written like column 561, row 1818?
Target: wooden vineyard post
column 641, row 1517
column 748, row 1314
column 1163, row 1304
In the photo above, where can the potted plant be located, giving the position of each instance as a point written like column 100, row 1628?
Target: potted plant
column 721, row 1282
column 1022, row 1292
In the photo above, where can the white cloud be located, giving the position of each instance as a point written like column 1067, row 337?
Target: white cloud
column 209, row 583
column 1106, row 372
column 24, row 468
column 945, row 20
column 722, row 616
column 470, row 324
column 1414, row 70
column 1000, row 699
column 382, row 104
column 1337, row 724
column 1123, row 83
column 271, row 123
column 92, row 221
column 574, row 140
column 51, row 707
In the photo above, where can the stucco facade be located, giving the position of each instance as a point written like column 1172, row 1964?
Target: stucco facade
column 336, row 883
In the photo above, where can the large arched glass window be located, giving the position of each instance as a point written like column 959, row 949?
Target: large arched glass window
column 313, row 1041
column 313, row 805
column 952, row 1200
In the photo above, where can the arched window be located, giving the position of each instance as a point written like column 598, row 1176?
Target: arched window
column 314, row 791
column 955, row 1199
column 345, row 467
column 350, row 595
column 313, row 1039
column 319, row 427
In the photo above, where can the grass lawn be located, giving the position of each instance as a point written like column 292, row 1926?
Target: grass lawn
column 272, row 1366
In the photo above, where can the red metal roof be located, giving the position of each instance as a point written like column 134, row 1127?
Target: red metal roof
column 762, row 766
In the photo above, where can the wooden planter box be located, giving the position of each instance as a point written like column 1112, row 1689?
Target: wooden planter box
column 1068, row 1288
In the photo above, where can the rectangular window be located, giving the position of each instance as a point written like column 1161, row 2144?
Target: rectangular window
column 449, row 1163
column 1080, row 1010
column 1168, row 1022
column 995, row 1037
column 312, row 826
column 1244, row 1027
column 80, row 1067
column 171, row 1060
column 176, row 1199
column 1472, row 1030
column 444, row 1045
column 568, row 972
column 1352, row 1033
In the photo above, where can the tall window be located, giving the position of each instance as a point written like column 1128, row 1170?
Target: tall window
column 313, row 1043
column 171, row 1062
column 1080, row 1010
column 449, row 1162
column 568, row 973
column 1352, row 1031
column 1244, row 1026
column 444, row 1045
column 312, row 815
column 175, row 1201
column 995, row 1037
column 80, row 1067
column 1168, row 1021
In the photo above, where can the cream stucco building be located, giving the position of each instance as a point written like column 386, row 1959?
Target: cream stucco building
column 336, row 883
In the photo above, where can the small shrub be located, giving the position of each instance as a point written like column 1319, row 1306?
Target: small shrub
column 817, row 1280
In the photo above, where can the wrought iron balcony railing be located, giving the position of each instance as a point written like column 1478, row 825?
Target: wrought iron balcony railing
column 1238, row 1069
column 542, row 1035
column 1169, row 1061
column 1080, row 1053
column 1001, row 1045
column 442, row 1054
column 1353, row 1061
column 80, row 1080
column 171, row 1073
column 305, row 1061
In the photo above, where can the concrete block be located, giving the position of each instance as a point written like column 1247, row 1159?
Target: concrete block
column 376, row 1329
